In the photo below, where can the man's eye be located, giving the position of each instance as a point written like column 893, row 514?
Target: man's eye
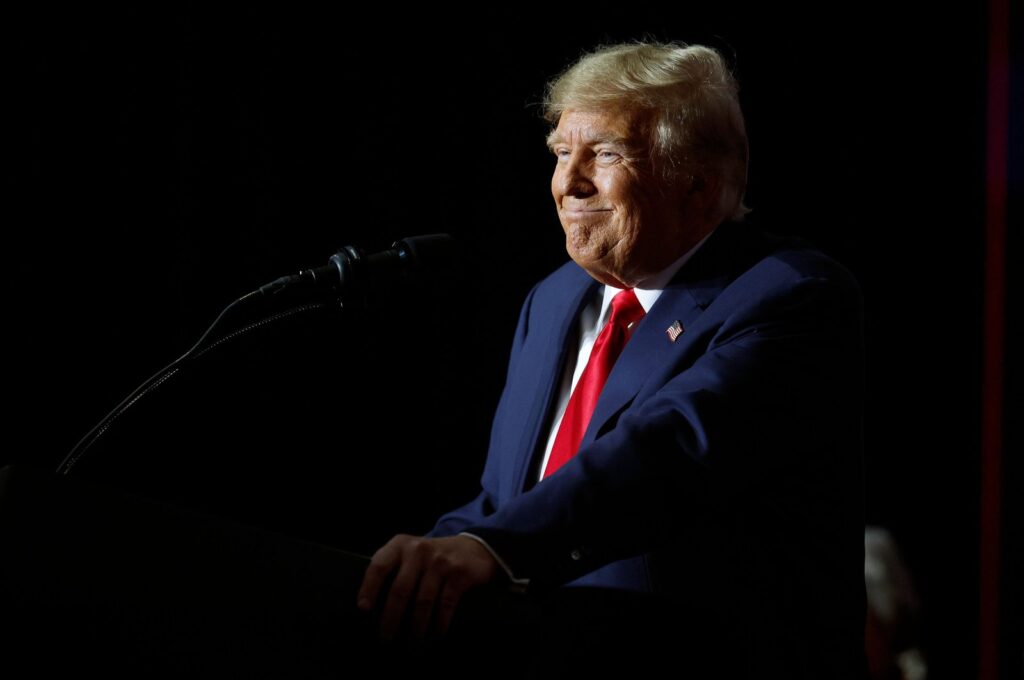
column 607, row 155
column 562, row 153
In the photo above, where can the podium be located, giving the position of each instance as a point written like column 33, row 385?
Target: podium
column 97, row 581
column 92, row 579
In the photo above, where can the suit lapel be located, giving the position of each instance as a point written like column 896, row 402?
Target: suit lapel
column 556, row 327
column 649, row 347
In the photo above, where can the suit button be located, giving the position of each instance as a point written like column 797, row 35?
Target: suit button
column 575, row 555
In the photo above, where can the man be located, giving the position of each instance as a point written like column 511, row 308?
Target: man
column 682, row 409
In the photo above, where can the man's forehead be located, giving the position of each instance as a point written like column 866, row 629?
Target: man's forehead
column 618, row 125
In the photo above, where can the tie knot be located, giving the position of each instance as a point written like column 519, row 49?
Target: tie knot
column 626, row 309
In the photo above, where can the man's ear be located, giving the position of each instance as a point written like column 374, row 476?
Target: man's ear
column 704, row 194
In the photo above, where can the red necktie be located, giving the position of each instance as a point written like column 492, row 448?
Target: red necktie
column 626, row 311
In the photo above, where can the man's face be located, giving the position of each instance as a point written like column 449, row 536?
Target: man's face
column 623, row 221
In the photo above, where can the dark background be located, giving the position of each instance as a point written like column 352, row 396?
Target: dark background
column 167, row 160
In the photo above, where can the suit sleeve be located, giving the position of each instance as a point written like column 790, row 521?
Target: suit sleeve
column 485, row 503
column 764, row 426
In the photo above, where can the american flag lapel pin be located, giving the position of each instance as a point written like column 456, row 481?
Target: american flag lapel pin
column 674, row 331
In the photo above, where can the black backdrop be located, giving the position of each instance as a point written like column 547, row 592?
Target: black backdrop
column 169, row 159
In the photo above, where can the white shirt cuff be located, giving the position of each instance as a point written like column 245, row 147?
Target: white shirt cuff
column 519, row 584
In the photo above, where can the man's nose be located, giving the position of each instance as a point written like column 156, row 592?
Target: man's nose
column 575, row 178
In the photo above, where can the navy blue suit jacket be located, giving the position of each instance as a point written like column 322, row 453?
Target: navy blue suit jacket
column 722, row 469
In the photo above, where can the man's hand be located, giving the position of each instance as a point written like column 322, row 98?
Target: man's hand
column 431, row 575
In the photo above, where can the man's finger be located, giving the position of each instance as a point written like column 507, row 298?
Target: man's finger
column 381, row 565
column 402, row 589
column 446, row 604
column 424, row 603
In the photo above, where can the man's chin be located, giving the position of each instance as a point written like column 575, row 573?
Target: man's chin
column 594, row 255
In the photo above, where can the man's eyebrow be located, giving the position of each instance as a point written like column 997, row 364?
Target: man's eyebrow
column 556, row 138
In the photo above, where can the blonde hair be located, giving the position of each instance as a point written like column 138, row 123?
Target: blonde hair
column 698, row 123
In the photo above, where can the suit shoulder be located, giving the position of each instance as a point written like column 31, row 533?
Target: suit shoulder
column 756, row 275
column 794, row 264
column 565, row 283
column 569, row 276
column 555, row 296
column 784, row 262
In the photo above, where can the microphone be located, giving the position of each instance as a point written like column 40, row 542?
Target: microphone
column 348, row 269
